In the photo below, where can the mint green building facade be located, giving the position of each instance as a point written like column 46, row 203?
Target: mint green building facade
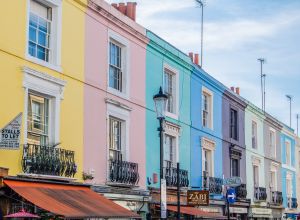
column 255, row 167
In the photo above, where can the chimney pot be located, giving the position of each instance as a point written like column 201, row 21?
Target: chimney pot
column 191, row 55
column 196, row 59
column 131, row 10
column 232, row 88
column 237, row 90
column 115, row 5
column 122, row 8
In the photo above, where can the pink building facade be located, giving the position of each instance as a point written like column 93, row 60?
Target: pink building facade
column 114, row 104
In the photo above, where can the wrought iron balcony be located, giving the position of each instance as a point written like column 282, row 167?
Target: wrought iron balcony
column 171, row 177
column 276, row 198
column 292, row 203
column 241, row 191
column 123, row 172
column 48, row 160
column 260, row 193
column 212, row 184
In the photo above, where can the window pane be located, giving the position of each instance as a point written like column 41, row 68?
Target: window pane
column 32, row 34
column 42, row 39
column 32, row 49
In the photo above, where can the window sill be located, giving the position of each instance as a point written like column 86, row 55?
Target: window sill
column 44, row 63
column 117, row 93
column 172, row 115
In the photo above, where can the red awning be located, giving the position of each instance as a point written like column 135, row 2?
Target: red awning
column 69, row 201
column 195, row 212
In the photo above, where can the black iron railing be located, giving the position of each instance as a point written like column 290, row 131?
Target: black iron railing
column 48, row 160
column 241, row 191
column 123, row 172
column 292, row 203
column 212, row 184
column 276, row 198
column 171, row 177
column 260, row 193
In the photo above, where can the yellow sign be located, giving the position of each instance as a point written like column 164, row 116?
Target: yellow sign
column 197, row 197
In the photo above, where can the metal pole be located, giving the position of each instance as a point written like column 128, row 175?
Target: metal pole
column 290, row 112
column 228, row 212
column 201, row 34
column 297, row 116
column 178, row 192
column 264, row 75
column 261, row 60
column 161, row 160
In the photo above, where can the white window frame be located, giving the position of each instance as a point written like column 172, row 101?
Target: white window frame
column 208, row 145
column 55, row 39
column 290, row 151
column 174, row 131
column 254, row 136
column 256, row 162
column 123, row 115
column 125, row 65
column 289, row 178
column 210, row 107
column 273, row 147
column 51, row 87
column 274, row 169
column 176, row 73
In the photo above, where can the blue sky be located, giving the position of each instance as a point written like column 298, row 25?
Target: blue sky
column 236, row 33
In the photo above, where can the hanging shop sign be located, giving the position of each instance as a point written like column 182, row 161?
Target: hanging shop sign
column 10, row 134
column 232, row 181
column 197, row 197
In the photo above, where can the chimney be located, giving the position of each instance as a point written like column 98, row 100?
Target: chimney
column 237, row 90
column 191, row 55
column 232, row 88
column 115, row 5
column 131, row 10
column 196, row 59
column 122, row 8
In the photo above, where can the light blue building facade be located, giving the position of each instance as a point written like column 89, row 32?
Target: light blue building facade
column 288, row 172
column 206, row 136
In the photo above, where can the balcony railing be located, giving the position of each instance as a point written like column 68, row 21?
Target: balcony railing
column 123, row 172
column 276, row 198
column 292, row 203
column 212, row 184
column 47, row 160
column 260, row 193
column 241, row 191
column 171, row 177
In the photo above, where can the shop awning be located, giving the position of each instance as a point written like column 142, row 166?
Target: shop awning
column 195, row 212
column 69, row 201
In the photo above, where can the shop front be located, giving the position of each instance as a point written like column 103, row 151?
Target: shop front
column 240, row 209
column 56, row 200
column 277, row 213
column 133, row 199
column 214, row 210
column 260, row 213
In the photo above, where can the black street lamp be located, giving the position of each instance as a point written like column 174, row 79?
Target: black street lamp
column 160, row 101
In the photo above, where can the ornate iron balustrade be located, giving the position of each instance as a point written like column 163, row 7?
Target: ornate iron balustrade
column 212, row 184
column 260, row 193
column 276, row 198
column 47, row 160
column 171, row 177
column 123, row 172
column 241, row 191
column 292, row 203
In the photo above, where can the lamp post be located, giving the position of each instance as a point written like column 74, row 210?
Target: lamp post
column 160, row 101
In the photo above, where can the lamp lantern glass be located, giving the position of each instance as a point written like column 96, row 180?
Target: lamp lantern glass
column 160, row 101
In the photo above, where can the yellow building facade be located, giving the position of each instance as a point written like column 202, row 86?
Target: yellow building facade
column 42, row 75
